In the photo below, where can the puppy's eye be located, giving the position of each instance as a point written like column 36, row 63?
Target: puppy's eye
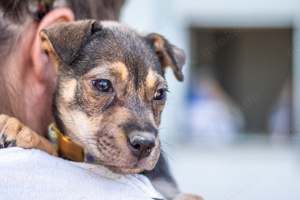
column 160, row 94
column 103, row 85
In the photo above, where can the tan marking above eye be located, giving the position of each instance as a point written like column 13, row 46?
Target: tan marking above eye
column 121, row 69
column 154, row 80
column 69, row 89
column 151, row 79
column 106, row 70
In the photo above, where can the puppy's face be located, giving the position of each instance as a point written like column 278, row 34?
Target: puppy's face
column 111, row 90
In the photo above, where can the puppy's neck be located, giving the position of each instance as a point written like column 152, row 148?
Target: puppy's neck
column 68, row 149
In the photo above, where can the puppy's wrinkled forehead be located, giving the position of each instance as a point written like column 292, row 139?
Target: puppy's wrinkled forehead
column 119, row 49
column 81, row 46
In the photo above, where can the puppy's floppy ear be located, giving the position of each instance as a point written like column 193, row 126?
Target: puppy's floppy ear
column 168, row 55
column 65, row 40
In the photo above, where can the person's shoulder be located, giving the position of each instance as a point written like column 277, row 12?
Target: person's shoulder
column 33, row 174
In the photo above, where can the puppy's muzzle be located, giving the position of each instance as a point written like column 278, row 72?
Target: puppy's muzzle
column 141, row 143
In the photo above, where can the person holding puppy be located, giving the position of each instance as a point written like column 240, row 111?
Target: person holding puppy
column 28, row 80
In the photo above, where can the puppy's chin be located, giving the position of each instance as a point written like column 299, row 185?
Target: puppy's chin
column 136, row 168
column 125, row 170
column 129, row 170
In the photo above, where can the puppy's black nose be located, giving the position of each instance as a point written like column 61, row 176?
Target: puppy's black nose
column 142, row 144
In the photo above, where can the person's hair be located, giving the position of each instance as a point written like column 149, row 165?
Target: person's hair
column 15, row 14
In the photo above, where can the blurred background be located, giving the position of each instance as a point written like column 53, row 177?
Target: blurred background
column 231, row 130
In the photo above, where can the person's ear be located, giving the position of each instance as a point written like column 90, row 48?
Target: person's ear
column 40, row 58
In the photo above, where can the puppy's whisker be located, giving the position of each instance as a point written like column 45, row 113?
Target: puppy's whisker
column 167, row 155
column 164, row 143
column 164, row 128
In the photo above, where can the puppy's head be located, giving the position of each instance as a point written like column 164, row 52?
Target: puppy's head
column 111, row 89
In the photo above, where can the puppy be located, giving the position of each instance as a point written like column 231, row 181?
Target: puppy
column 110, row 94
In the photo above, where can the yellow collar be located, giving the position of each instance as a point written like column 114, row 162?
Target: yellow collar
column 66, row 148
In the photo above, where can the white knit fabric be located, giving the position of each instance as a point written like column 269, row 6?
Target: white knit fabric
column 32, row 174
